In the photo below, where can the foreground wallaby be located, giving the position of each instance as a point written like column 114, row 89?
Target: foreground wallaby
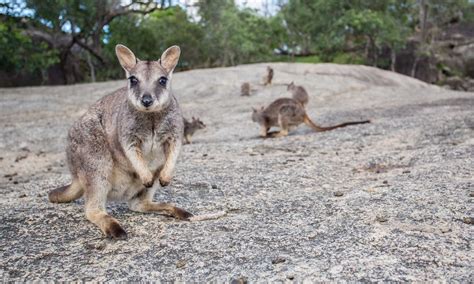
column 191, row 127
column 267, row 79
column 288, row 113
column 125, row 141
column 298, row 93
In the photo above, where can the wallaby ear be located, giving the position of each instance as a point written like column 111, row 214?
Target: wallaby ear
column 170, row 58
column 254, row 109
column 126, row 57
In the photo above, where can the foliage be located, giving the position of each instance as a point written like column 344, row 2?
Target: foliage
column 20, row 54
column 79, row 36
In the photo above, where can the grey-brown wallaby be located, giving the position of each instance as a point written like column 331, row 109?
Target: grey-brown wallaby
column 124, row 142
column 190, row 127
column 245, row 89
column 288, row 113
column 267, row 79
column 298, row 93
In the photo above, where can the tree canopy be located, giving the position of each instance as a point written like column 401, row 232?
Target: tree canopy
column 69, row 41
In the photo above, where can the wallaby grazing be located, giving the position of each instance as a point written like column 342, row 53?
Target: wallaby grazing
column 298, row 93
column 267, row 80
column 191, row 127
column 288, row 113
column 124, row 142
column 245, row 89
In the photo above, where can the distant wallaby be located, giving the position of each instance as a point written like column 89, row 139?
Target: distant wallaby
column 298, row 93
column 125, row 141
column 245, row 89
column 191, row 127
column 288, row 113
column 267, row 80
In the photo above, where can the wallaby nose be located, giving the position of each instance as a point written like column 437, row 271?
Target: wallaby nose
column 147, row 100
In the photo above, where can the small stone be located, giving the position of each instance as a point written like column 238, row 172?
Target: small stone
column 204, row 155
column 25, row 148
column 180, row 263
column 471, row 194
column 239, row 280
column 22, row 195
column 290, row 277
column 15, row 182
column 385, row 182
column 381, row 219
column 214, row 186
column 278, row 260
column 406, row 172
column 338, row 193
column 94, row 246
column 468, row 220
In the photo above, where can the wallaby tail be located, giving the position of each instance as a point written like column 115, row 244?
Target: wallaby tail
column 66, row 193
column 318, row 128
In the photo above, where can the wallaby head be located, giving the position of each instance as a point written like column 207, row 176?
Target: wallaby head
column 257, row 114
column 149, row 82
column 198, row 123
column 291, row 86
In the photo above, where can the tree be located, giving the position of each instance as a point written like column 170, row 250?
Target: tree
column 72, row 27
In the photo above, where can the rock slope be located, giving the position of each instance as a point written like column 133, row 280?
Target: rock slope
column 387, row 201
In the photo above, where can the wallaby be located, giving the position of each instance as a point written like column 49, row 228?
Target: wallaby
column 191, row 127
column 288, row 113
column 245, row 89
column 298, row 93
column 124, row 142
column 267, row 79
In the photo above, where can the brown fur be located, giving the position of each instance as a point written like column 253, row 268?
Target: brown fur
column 288, row 113
column 298, row 93
column 124, row 142
column 245, row 89
column 191, row 127
column 267, row 80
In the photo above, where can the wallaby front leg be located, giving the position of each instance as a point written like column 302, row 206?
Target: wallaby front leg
column 135, row 156
column 171, row 149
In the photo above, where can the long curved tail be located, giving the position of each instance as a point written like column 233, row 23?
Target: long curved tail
column 66, row 193
column 318, row 128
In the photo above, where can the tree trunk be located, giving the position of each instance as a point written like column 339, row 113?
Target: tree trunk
column 91, row 67
column 423, row 19
column 415, row 65
column 393, row 62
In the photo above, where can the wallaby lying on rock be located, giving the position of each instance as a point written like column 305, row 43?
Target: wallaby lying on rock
column 298, row 93
column 245, row 89
column 124, row 142
column 288, row 113
column 191, row 127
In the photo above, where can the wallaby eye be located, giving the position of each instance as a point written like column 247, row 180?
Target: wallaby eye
column 162, row 81
column 133, row 81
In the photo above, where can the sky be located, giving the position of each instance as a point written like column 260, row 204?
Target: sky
column 264, row 7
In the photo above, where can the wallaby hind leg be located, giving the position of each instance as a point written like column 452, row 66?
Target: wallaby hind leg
column 66, row 193
column 96, row 197
column 283, row 121
column 144, row 203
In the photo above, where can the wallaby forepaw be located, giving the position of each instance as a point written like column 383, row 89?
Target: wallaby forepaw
column 115, row 232
column 148, row 184
column 164, row 181
column 182, row 214
column 147, row 180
